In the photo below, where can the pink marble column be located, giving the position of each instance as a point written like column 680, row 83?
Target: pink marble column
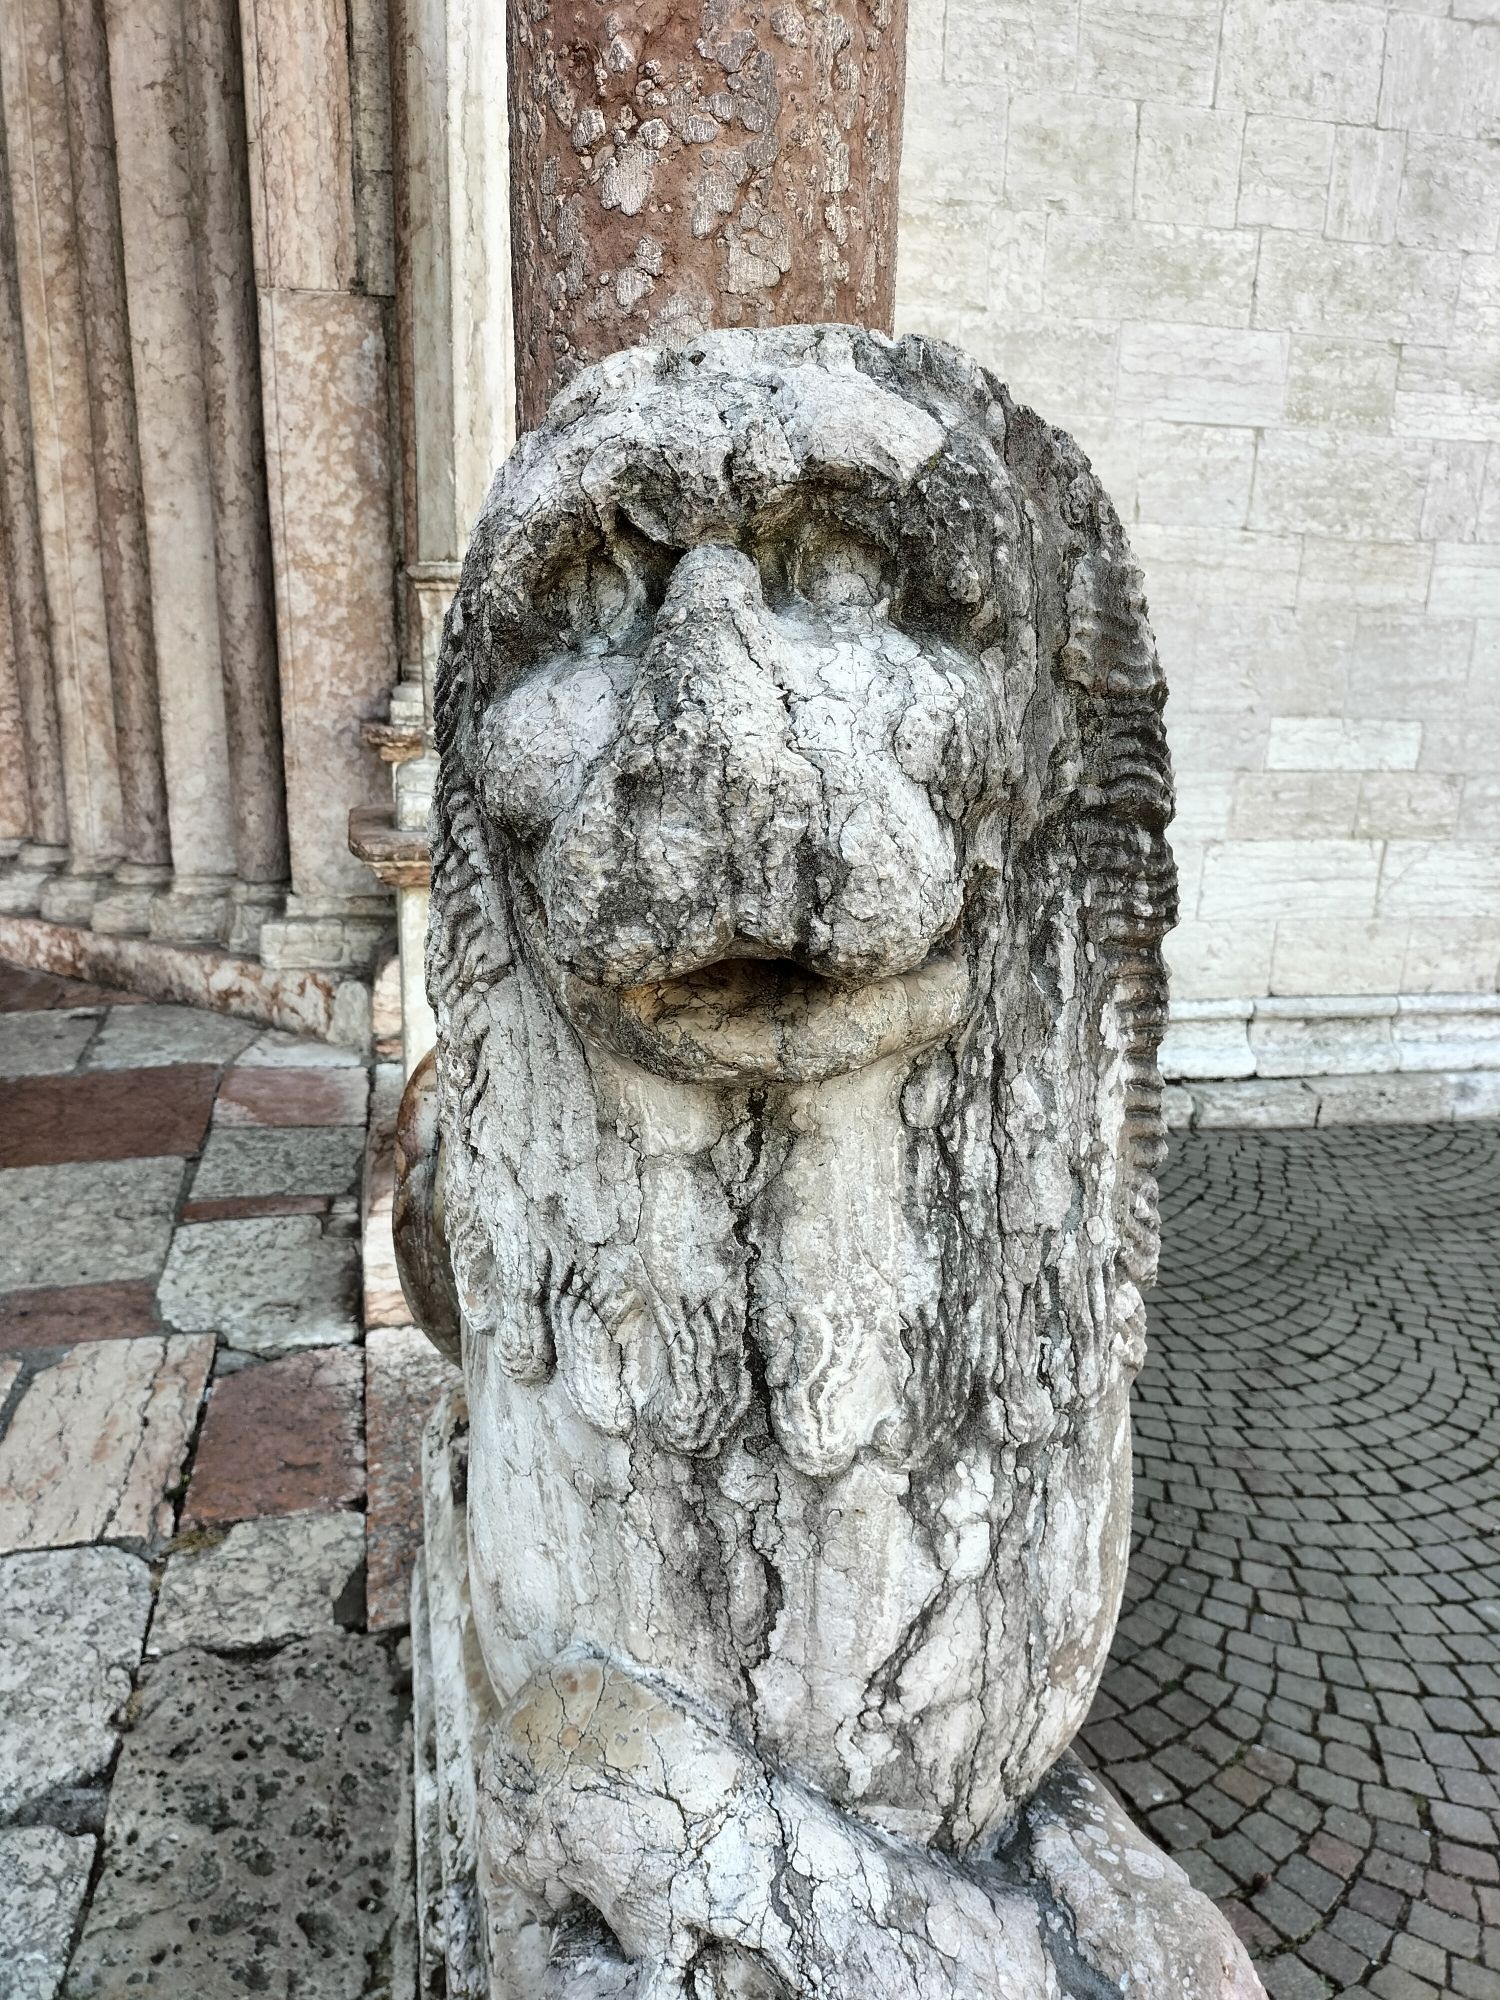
column 15, row 792
column 328, row 462
column 236, row 459
column 117, row 477
column 24, row 589
column 146, row 65
column 53, row 308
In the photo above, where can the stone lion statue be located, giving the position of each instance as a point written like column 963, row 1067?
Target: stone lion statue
column 799, row 884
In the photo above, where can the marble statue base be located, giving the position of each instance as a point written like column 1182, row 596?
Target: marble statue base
column 691, row 1868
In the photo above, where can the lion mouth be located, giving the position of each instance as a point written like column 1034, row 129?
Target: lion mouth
column 754, row 1019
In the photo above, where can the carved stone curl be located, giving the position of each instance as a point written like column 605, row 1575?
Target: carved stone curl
column 799, row 883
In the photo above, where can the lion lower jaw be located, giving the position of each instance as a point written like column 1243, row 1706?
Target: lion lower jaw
column 749, row 1021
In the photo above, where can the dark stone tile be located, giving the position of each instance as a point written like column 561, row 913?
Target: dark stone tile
column 106, row 1115
column 235, row 1207
column 23, row 992
column 63, row 1315
column 251, row 1095
column 281, row 1437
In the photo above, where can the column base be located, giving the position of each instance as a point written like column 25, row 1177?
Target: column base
column 26, row 874
column 603, row 1794
column 124, row 910
column 195, row 910
column 252, row 905
column 70, row 899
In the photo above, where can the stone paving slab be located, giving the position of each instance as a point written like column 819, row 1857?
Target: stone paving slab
column 285, row 1437
column 97, row 1442
column 43, row 1044
column 107, row 1115
column 72, row 1625
column 404, row 1378
column 60, row 1316
column 291, row 1160
column 141, row 1037
column 86, row 1223
column 255, row 1833
column 274, row 1049
column 44, row 1876
column 267, row 1284
column 265, row 1581
column 275, row 1096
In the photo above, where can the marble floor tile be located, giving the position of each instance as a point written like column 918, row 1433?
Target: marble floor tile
column 121, row 1114
column 72, row 1625
column 273, row 1096
column 43, row 1044
column 282, row 1578
column 268, row 1284
column 134, row 1037
column 44, row 1876
column 97, row 1442
column 308, row 1159
column 286, row 1437
column 86, row 1224
column 62, row 1315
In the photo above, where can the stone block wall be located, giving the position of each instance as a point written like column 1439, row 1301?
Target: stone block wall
column 1246, row 250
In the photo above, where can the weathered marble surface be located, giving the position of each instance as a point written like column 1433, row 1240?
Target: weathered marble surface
column 214, row 1885
column 98, row 1441
column 72, row 1622
column 43, row 1877
column 84, row 1224
column 284, row 1578
column 799, row 882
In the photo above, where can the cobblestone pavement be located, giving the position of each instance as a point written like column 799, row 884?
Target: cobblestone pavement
column 208, row 1506
column 1303, row 1702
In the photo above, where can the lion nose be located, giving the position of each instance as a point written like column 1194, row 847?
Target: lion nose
column 710, row 584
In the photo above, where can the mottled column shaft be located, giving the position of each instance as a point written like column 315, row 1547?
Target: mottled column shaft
column 117, row 480
column 53, row 311
column 682, row 166
column 236, row 447
column 326, row 418
column 146, row 65
column 20, row 534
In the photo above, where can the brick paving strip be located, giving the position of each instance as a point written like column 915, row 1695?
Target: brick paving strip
column 1304, row 1698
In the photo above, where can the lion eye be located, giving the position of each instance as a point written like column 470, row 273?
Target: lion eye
column 834, row 570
